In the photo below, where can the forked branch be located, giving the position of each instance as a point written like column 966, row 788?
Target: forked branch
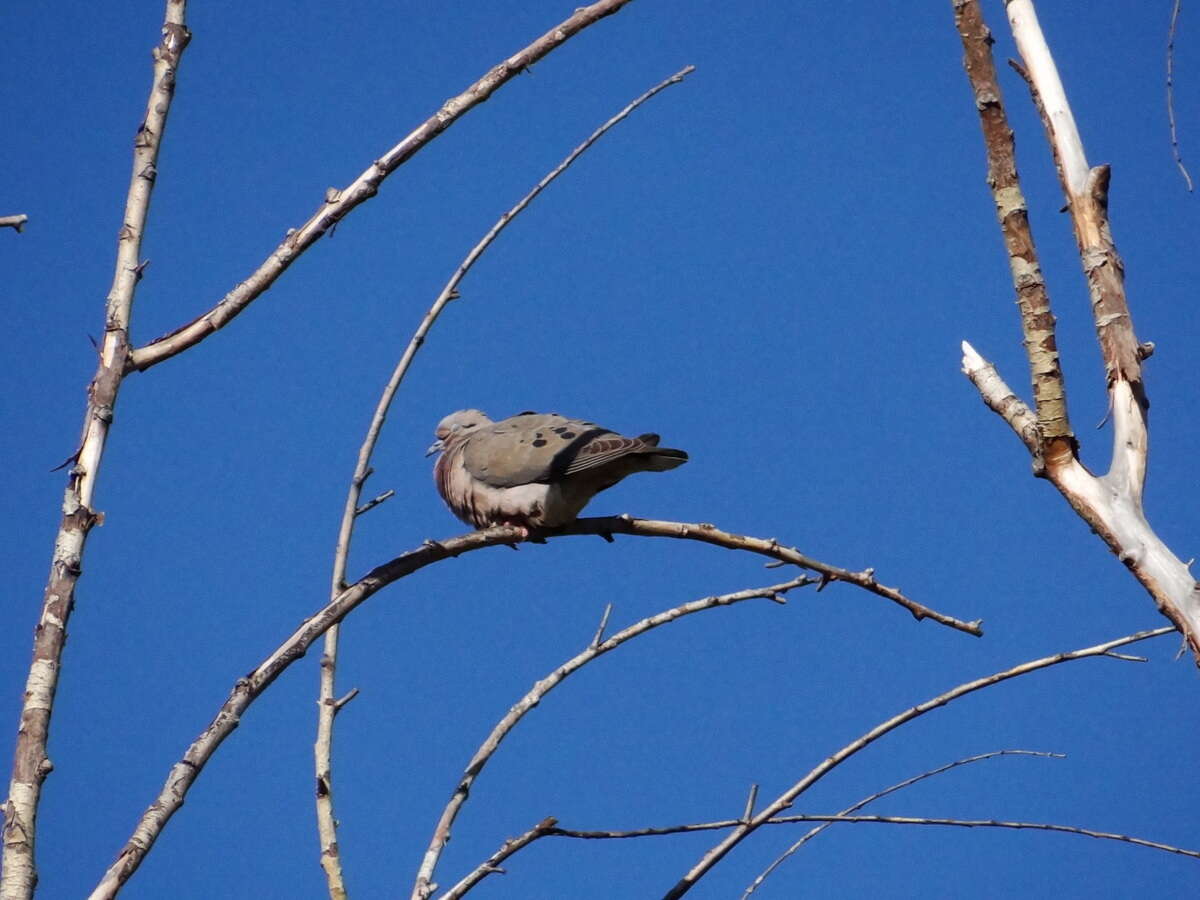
column 744, row 825
column 340, row 203
column 1110, row 504
column 743, row 829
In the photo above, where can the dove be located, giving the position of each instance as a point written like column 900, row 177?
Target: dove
column 534, row 470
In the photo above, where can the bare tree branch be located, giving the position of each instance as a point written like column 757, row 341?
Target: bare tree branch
column 424, row 885
column 326, row 823
column 1171, row 95
column 1111, row 504
column 339, row 203
column 785, row 800
column 248, row 688
column 30, row 762
column 14, row 222
column 549, row 828
column 908, row 782
column 1037, row 320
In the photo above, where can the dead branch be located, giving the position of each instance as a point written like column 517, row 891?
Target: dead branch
column 1037, row 321
column 248, row 688
column 424, row 885
column 30, row 763
column 323, row 748
column 878, row 795
column 339, row 203
column 785, row 800
column 16, row 223
column 1110, row 504
column 1187, row 179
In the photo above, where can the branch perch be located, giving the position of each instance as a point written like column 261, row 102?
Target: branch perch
column 247, row 689
column 323, row 747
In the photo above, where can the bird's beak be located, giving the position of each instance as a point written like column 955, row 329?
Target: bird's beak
column 435, row 447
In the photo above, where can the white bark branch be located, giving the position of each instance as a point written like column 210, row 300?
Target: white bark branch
column 1111, row 504
column 18, row 872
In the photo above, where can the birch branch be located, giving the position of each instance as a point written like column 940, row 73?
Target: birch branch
column 788, row 797
column 248, row 688
column 339, row 203
column 30, row 762
column 326, row 706
column 1110, row 504
column 424, row 885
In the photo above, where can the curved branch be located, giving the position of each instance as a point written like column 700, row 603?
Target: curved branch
column 326, row 703
column 18, row 872
column 878, row 795
column 247, row 689
column 424, row 885
column 339, row 203
column 549, row 828
column 744, row 829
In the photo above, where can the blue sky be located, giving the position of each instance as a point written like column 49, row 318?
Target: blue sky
column 772, row 265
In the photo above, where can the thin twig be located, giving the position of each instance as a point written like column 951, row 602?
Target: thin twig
column 855, row 807
column 878, row 820
column 784, row 800
column 247, row 689
column 374, row 502
column 323, row 747
column 18, row 872
column 1171, row 95
column 339, row 203
column 14, row 222
column 1110, row 504
column 599, row 635
column 424, row 886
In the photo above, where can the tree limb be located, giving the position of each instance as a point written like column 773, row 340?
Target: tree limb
column 785, row 800
column 1110, row 504
column 248, row 688
column 14, row 222
column 339, row 203
column 30, row 762
column 1033, row 301
column 424, row 885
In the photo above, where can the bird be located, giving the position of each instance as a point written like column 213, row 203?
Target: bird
column 534, row 470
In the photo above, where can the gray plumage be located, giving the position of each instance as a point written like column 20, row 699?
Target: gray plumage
column 536, row 470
